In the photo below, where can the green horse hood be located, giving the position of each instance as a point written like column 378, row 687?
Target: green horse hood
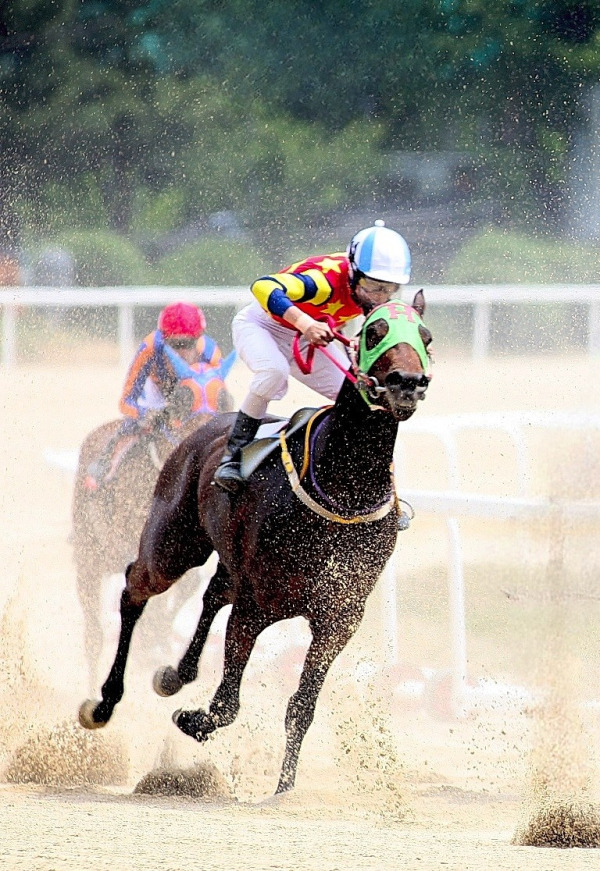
column 403, row 322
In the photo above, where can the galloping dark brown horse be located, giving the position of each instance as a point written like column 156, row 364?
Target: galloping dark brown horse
column 286, row 548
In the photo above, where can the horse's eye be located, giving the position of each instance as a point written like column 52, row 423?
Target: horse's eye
column 376, row 331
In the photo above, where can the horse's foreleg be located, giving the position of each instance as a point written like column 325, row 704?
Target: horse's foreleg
column 242, row 632
column 168, row 681
column 93, row 715
column 322, row 651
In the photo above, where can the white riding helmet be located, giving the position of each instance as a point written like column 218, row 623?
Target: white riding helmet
column 380, row 253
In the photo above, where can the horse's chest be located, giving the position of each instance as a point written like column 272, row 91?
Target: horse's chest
column 320, row 561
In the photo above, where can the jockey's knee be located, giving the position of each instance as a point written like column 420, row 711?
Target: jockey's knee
column 270, row 384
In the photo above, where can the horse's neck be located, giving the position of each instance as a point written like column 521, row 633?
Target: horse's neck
column 354, row 449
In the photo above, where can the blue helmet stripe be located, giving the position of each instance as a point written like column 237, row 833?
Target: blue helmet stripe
column 365, row 258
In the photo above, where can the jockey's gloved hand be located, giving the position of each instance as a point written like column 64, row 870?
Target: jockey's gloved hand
column 315, row 332
column 318, row 334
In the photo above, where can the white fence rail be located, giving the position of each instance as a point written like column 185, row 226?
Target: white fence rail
column 453, row 504
column 125, row 299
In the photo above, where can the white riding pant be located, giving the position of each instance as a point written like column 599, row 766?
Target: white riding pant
column 266, row 347
column 151, row 396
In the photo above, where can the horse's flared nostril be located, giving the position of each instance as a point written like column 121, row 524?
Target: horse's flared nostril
column 408, row 383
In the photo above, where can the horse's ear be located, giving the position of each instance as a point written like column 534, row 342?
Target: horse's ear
column 375, row 333
column 418, row 303
column 425, row 334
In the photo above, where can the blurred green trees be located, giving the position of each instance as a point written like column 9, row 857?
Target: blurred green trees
column 143, row 116
column 495, row 256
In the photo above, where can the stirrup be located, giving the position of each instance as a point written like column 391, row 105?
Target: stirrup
column 228, row 476
column 405, row 517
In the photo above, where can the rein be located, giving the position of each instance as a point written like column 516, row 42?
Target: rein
column 303, row 496
column 153, row 450
column 305, row 364
column 153, row 453
column 360, row 379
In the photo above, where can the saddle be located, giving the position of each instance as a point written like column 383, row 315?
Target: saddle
column 267, row 438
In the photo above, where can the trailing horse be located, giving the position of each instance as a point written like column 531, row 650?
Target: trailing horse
column 107, row 523
column 308, row 535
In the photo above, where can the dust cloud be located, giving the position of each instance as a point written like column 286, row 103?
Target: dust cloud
column 387, row 776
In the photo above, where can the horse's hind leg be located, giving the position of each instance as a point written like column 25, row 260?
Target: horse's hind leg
column 168, row 681
column 92, row 715
column 301, row 707
column 245, row 624
column 172, row 542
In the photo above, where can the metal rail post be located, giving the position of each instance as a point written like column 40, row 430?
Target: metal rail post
column 9, row 331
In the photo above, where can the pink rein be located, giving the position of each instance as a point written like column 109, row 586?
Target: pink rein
column 305, row 364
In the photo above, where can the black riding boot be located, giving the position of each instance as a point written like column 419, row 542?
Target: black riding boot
column 228, row 475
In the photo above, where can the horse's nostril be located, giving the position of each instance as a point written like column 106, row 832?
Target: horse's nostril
column 393, row 379
column 406, row 383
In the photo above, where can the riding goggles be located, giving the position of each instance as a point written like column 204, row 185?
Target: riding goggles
column 181, row 344
column 374, row 287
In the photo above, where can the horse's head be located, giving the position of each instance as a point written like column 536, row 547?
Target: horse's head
column 393, row 358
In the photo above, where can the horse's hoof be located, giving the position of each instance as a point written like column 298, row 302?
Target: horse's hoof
column 166, row 681
column 196, row 724
column 86, row 715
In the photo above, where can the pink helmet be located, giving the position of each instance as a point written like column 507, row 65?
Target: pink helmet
column 182, row 319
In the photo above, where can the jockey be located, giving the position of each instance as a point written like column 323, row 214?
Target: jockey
column 176, row 371
column 156, row 376
column 344, row 286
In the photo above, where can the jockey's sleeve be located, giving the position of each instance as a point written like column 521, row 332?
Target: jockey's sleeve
column 276, row 293
column 209, row 351
column 139, row 370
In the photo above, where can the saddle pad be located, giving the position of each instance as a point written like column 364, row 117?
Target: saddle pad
column 267, row 439
column 271, row 429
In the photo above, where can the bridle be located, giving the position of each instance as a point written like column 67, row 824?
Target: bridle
column 371, row 390
column 368, row 385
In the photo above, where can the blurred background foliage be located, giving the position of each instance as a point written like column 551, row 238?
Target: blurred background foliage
column 202, row 141
column 496, row 256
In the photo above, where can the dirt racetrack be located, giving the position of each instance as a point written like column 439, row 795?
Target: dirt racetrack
column 388, row 778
